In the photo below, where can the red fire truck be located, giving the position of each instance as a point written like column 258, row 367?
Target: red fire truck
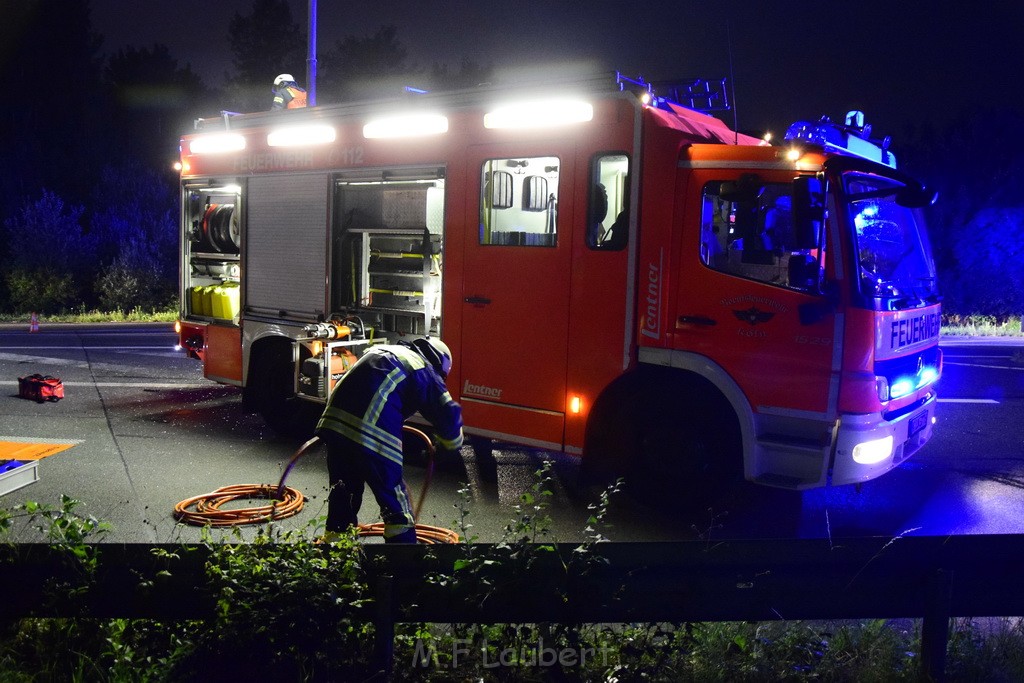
column 619, row 276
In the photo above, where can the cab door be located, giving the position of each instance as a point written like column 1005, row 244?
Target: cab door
column 516, row 291
column 753, row 306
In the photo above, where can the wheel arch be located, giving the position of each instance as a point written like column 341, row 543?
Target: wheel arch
column 661, row 371
column 264, row 345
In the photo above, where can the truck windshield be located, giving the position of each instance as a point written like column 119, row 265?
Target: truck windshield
column 894, row 258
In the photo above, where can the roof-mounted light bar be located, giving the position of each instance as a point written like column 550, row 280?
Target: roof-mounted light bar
column 852, row 139
column 302, row 135
column 406, row 126
column 217, row 143
column 539, row 114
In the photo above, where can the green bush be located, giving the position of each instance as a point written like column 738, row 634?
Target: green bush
column 48, row 255
column 41, row 291
column 129, row 284
column 288, row 608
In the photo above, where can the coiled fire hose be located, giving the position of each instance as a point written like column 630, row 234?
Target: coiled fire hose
column 206, row 509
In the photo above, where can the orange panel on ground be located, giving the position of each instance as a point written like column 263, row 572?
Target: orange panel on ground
column 18, row 450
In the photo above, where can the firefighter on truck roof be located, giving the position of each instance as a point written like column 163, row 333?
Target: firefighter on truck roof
column 287, row 93
column 362, row 427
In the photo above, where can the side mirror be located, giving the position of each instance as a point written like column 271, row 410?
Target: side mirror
column 743, row 190
column 916, row 197
column 804, row 272
column 808, row 211
column 816, row 311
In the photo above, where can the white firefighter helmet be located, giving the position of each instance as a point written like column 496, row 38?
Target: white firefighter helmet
column 436, row 352
column 284, row 78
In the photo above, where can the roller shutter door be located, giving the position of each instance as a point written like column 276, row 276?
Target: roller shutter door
column 285, row 245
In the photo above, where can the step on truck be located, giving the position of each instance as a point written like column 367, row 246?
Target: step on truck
column 619, row 276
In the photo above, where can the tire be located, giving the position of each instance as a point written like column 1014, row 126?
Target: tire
column 686, row 451
column 270, row 391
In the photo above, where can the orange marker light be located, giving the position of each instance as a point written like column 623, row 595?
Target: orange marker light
column 575, row 405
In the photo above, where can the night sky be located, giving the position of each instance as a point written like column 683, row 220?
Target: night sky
column 902, row 61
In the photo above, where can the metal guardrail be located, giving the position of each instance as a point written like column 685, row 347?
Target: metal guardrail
column 930, row 578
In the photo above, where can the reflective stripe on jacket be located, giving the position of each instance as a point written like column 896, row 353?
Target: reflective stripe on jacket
column 386, row 386
column 289, row 97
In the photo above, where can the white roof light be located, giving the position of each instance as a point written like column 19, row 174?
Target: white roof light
column 406, row 126
column 300, row 136
column 217, row 143
column 539, row 114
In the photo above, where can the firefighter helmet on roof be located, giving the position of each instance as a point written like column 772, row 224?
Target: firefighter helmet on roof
column 284, row 78
column 436, row 352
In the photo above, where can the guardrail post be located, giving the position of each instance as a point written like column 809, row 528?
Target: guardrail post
column 935, row 625
column 384, row 625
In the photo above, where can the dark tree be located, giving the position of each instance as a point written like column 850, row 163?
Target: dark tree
column 977, row 166
column 155, row 100
column 53, row 120
column 49, row 260
column 366, row 68
column 470, row 75
column 266, row 42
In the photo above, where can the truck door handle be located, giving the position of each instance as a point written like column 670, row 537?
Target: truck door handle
column 696, row 320
column 477, row 300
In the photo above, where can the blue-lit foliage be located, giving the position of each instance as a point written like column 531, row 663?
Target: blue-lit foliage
column 135, row 225
column 990, row 277
column 48, row 255
column 977, row 165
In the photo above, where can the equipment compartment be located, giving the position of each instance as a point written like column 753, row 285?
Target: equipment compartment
column 387, row 251
column 213, row 246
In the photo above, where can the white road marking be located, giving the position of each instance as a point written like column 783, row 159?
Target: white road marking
column 32, row 439
column 158, row 351
column 23, row 358
column 141, row 383
column 978, row 365
column 987, row 401
column 60, row 362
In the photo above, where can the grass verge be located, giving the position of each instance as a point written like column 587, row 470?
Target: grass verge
column 133, row 316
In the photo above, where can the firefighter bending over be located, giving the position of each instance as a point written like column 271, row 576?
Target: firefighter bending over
column 287, row 93
column 362, row 427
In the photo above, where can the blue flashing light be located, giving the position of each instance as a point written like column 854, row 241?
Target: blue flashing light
column 905, row 386
column 850, row 140
column 865, row 217
column 901, row 387
column 927, row 376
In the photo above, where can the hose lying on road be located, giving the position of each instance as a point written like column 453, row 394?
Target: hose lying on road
column 207, row 507
column 206, row 510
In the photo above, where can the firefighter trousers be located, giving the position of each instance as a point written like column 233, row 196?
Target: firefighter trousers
column 350, row 469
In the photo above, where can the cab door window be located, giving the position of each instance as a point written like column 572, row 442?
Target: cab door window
column 750, row 234
column 608, row 212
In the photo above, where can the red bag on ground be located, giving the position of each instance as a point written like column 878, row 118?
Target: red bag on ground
column 39, row 388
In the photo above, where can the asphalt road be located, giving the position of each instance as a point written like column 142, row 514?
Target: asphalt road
column 149, row 431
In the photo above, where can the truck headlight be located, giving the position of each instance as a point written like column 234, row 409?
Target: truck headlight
column 874, row 451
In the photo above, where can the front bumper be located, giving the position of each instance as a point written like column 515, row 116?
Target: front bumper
column 909, row 430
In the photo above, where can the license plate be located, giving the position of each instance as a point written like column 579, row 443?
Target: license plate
column 917, row 423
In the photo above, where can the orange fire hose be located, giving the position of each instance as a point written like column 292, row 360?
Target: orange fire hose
column 286, row 502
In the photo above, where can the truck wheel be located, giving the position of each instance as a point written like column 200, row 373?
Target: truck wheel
column 271, row 392
column 687, row 452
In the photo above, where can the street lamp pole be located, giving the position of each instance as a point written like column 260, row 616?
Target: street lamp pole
column 311, row 56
